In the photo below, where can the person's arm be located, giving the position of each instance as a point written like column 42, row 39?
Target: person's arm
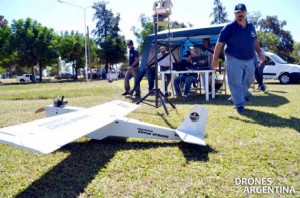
column 135, row 62
column 261, row 54
column 217, row 52
column 189, row 65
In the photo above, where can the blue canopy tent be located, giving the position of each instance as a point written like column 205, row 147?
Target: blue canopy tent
column 176, row 41
column 179, row 40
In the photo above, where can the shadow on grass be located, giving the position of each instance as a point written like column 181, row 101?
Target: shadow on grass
column 194, row 152
column 71, row 176
column 269, row 120
column 268, row 99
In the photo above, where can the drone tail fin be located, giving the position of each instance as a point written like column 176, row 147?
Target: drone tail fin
column 192, row 130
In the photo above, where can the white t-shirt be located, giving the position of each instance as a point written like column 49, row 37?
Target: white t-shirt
column 165, row 61
column 204, row 52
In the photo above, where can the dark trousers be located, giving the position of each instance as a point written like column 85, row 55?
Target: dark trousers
column 168, row 78
column 151, row 77
column 259, row 70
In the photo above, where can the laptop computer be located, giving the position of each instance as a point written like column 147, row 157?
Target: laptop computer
column 200, row 63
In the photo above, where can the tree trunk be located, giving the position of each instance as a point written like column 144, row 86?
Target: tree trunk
column 32, row 74
column 106, row 66
column 40, row 70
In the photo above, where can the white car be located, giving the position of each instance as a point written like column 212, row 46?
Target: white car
column 276, row 68
column 112, row 75
column 26, row 78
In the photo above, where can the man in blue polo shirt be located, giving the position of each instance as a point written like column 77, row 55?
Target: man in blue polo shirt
column 240, row 40
column 132, row 70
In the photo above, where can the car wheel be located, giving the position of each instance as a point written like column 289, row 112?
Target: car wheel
column 22, row 80
column 284, row 79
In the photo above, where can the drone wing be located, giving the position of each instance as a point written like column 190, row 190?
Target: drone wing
column 49, row 134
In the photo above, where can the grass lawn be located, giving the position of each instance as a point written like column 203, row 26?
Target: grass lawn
column 263, row 144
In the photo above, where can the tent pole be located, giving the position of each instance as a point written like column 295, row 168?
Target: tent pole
column 156, row 64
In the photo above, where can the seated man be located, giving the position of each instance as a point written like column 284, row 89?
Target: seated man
column 188, row 79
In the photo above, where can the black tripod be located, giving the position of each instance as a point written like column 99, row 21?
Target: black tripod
column 160, row 95
column 157, row 91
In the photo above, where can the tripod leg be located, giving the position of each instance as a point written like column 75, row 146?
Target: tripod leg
column 143, row 98
column 160, row 92
column 163, row 102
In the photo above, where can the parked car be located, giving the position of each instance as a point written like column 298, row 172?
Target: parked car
column 64, row 75
column 27, row 78
column 276, row 68
column 96, row 73
column 112, row 75
column 4, row 75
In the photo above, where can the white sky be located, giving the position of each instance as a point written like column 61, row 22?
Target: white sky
column 63, row 17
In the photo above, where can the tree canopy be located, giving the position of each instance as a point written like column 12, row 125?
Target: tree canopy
column 284, row 46
column 27, row 46
column 72, row 50
column 112, row 45
column 32, row 43
column 219, row 14
column 7, row 55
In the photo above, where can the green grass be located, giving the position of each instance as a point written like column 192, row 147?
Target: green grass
column 264, row 142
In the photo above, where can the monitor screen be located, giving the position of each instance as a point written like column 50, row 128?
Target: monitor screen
column 200, row 61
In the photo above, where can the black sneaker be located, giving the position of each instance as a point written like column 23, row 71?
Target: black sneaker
column 240, row 110
column 263, row 88
column 125, row 93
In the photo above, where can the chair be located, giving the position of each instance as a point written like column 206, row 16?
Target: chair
column 197, row 85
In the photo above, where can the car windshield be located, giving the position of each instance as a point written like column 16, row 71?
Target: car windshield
column 277, row 59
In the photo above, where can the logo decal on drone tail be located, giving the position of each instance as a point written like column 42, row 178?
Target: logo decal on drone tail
column 194, row 116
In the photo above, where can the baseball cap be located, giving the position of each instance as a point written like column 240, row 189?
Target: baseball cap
column 129, row 42
column 240, row 7
column 187, row 53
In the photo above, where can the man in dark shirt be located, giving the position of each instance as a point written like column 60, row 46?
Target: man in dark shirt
column 240, row 40
column 132, row 70
column 188, row 79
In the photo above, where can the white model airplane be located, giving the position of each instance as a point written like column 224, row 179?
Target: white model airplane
column 70, row 123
